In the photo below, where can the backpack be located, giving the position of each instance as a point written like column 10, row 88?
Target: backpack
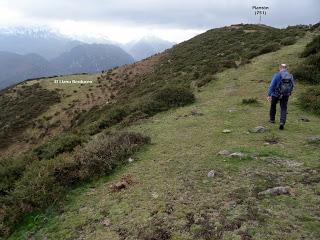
column 285, row 86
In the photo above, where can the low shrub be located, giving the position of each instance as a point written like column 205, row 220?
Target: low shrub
column 312, row 48
column 204, row 80
column 310, row 99
column 309, row 70
column 63, row 143
column 45, row 182
column 307, row 73
column 105, row 152
column 248, row 101
column 270, row 47
column 288, row 41
column 167, row 98
column 11, row 169
column 114, row 116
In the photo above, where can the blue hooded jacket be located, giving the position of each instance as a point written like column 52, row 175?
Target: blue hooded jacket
column 273, row 89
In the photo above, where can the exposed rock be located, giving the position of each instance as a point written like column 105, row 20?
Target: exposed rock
column 270, row 142
column 106, row 222
column 155, row 195
column 226, row 131
column 276, row 191
column 123, row 184
column 281, row 161
column 224, row 153
column 313, row 139
column 195, row 112
column 232, row 110
column 304, row 119
column 258, row 129
column 211, row 174
column 227, row 153
column 238, row 155
column 130, row 160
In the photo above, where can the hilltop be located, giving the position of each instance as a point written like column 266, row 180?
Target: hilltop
column 167, row 193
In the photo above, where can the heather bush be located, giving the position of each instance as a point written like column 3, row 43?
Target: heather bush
column 63, row 143
column 310, row 99
column 45, row 182
column 270, row 47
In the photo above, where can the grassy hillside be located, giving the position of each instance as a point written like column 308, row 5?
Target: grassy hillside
column 173, row 198
column 164, row 192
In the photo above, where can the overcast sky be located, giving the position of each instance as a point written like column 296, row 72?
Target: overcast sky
column 174, row 20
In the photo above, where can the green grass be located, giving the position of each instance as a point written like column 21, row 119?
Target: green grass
column 172, row 195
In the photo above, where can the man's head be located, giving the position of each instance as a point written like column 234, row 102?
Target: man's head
column 283, row 67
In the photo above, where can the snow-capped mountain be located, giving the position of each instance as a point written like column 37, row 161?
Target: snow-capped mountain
column 40, row 40
column 147, row 46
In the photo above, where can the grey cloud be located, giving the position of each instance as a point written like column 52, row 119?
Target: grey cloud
column 174, row 13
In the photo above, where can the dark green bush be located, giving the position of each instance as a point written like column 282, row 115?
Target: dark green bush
column 312, row 48
column 310, row 99
column 309, row 70
column 114, row 116
column 252, row 54
column 307, row 73
column 270, row 47
column 63, row 143
column 45, row 182
column 11, row 169
column 167, row 98
column 204, row 80
column 288, row 41
column 105, row 152
column 248, row 101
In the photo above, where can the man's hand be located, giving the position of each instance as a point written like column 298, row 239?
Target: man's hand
column 269, row 98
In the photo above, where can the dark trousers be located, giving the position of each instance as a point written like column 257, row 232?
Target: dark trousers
column 283, row 105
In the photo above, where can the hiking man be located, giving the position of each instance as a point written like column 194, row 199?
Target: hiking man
column 280, row 89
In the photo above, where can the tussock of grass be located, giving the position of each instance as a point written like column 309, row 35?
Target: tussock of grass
column 248, row 101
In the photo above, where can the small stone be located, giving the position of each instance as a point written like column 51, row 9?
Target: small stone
column 281, row 161
column 258, row 129
column 276, row 191
column 196, row 113
column 106, row 222
column 211, row 174
column 155, row 195
column 226, row 131
column 304, row 119
column 130, row 160
column 238, row 155
column 313, row 139
column 224, row 153
column 232, row 110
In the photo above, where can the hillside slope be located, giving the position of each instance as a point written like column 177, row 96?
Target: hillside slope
column 172, row 197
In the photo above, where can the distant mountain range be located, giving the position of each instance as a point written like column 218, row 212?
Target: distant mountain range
column 146, row 47
column 88, row 58
column 40, row 41
column 91, row 58
column 15, row 67
column 30, row 53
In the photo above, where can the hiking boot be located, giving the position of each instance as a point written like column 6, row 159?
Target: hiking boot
column 271, row 121
column 281, row 127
